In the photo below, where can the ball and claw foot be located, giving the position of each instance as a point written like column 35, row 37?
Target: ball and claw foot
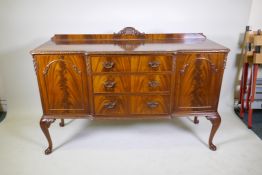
column 212, row 147
column 48, row 151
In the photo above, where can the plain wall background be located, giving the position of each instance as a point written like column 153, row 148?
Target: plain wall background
column 255, row 18
column 3, row 105
column 25, row 24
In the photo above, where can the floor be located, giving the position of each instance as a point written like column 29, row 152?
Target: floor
column 256, row 120
column 155, row 147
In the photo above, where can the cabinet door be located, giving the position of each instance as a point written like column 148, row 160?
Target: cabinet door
column 197, row 81
column 63, row 83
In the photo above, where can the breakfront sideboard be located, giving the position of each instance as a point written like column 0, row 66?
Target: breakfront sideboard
column 129, row 75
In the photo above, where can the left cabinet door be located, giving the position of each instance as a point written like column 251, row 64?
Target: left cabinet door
column 63, row 84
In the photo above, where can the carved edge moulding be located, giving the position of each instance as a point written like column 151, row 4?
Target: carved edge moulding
column 129, row 31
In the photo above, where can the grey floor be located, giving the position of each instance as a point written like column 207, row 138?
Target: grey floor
column 156, row 147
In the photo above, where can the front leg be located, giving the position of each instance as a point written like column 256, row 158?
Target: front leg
column 196, row 121
column 62, row 123
column 215, row 120
column 45, row 124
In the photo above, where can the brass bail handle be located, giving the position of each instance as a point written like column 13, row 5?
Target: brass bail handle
column 110, row 105
column 152, row 104
column 108, row 64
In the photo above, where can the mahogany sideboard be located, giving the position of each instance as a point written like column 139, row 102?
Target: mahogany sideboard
column 129, row 75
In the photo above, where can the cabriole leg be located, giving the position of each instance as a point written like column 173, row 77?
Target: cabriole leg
column 45, row 124
column 215, row 120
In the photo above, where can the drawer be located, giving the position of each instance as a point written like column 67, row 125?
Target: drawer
column 149, row 104
column 150, row 83
column 111, row 83
column 110, row 105
column 151, row 63
column 112, row 63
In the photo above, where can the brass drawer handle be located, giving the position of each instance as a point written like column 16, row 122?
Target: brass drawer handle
column 152, row 104
column 153, row 83
column 108, row 64
column 110, row 105
column 154, row 64
column 109, row 84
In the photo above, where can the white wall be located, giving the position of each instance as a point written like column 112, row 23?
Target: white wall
column 255, row 18
column 1, row 88
column 3, row 104
column 26, row 24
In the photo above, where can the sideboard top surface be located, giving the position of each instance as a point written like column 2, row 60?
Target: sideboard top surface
column 128, row 41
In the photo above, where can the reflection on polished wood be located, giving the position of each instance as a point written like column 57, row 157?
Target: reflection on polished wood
column 129, row 75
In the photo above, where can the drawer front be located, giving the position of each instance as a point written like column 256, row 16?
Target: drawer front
column 150, row 83
column 112, row 63
column 110, row 105
column 111, row 83
column 151, row 63
column 150, row 104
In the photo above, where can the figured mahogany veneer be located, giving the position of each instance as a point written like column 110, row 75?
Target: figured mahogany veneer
column 111, row 83
column 151, row 83
column 105, row 63
column 197, row 82
column 111, row 105
column 62, row 83
column 129, row 75
column 149, row 104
